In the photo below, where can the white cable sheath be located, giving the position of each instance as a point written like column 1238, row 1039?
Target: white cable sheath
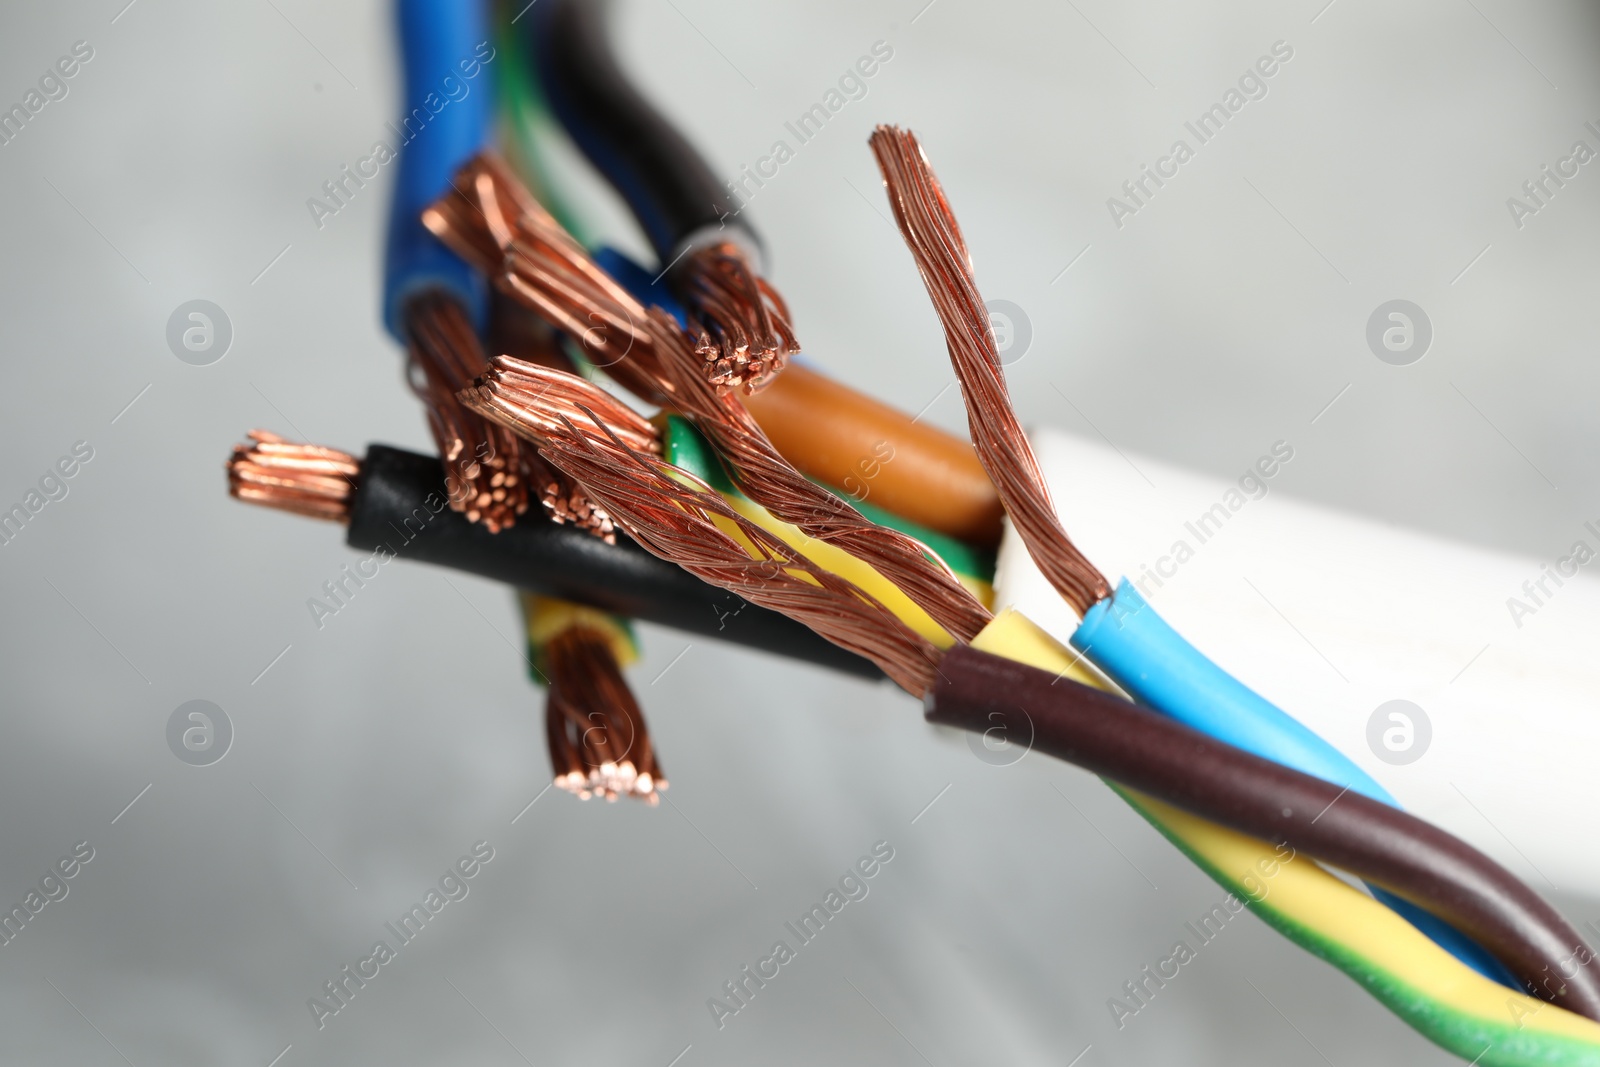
column 1330, row 615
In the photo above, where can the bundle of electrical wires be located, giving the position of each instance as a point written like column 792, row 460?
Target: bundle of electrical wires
column 731, row 512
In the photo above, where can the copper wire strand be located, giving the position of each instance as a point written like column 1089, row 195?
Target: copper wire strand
column 655, row 359
column 487, row 470
column 307, row 480
column 679, row 518
column 513, row 328
column 934, row 237
column 599, row 744
column 741, row 325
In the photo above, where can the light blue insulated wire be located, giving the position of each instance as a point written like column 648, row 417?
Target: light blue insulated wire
column 447, row 53
column 1125, row 637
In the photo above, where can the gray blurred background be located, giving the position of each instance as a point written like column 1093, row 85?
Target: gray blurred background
column 373, row 753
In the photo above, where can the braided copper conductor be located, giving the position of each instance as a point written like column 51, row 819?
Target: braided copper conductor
column 741, row 330
column 516, row 330
column 492, row 221
column 935, row 240
column 599, row 745
column 679, row 518
column 651, row 356
column 304, row 479
column 486, row 468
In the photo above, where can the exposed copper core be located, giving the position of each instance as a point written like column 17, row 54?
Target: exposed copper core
column 491, row 220
column 651, row 356
column 741, row 326
column 486, row 468
column 679, row 518
column 517, row 331
column 305, row 479
column 935, row 240
column 599, row 745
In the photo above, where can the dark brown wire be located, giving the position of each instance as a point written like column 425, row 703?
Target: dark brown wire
column 1177, row 764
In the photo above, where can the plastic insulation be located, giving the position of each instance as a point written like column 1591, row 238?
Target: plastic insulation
column 1179, row 765
column 854, row 444
column 1444, row 1000
column 667, row 184
column 398, row 508
column 448, row 97
column 1125, row 637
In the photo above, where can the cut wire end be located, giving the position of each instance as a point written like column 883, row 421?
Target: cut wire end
column 599, row 744
column 487, row 470
column 304, row 479
column 741, row 326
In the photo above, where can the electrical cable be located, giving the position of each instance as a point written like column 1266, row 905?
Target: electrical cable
column 433, row 303
column 599, row 744
column 1178, row 765
column 933, row 235
column 679, row 518
column 559, row 280
column 558, row 431
column 394, row 506
column 715, row 259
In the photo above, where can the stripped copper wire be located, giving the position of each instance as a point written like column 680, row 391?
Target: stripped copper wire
column 599, row 745
column 492, row 221
column 679, row 518
column 515, row 330
column 741, row 325
column 931, row 232
column 486, row 468
column 651, row 356
column 304, row 479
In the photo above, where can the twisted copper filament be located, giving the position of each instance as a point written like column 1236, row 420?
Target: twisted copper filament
column 599, row 745
column 741, row 325
column 931, row 232
column 679, row 518
column 501, row 228
column 304, row 479
column 487, row 470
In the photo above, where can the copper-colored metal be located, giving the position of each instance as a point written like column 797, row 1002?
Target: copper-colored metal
column 679, row 518
column 305, row 479
column 599, row 744
column 519, row 332
column 487, row 469
column 741, row 327
column 934, row 237
column 651, row 356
